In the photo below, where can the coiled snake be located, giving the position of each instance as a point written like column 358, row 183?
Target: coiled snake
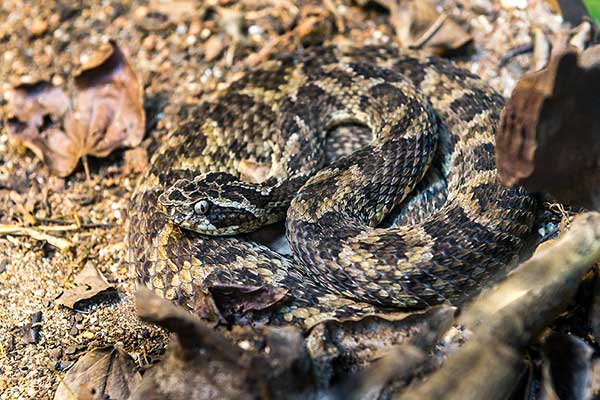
column 431, row 156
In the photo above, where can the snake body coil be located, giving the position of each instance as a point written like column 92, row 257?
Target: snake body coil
column 430, row 158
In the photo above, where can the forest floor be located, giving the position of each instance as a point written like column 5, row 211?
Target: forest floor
column 182, row 51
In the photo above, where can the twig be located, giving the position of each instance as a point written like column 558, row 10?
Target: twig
column 506, row 318
column 60, row 243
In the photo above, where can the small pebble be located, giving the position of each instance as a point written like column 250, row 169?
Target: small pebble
column 149, row 42
column 140, row 12
column 38, row 27
column 87, row 335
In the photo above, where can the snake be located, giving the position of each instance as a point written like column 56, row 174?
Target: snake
column 380, row 163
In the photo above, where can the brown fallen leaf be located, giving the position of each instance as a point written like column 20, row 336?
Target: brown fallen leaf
column 419, row 25
column 547, row 136
column 31, row 103
column 235, row 300
column 88, row 283
column 107, row 113
column 105, row 373
column 30, row 332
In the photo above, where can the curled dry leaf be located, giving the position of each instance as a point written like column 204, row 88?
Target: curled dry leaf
column 106, row 373
column 547, row 137
column 88, row 283
column 36, row 112
column 108, row 113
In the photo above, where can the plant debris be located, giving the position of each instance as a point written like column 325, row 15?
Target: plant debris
column 90, row 285
column 166, row 42
column 231, row 300
column 30, row 332
column 107, row 113
column 419, row 25
column 104, row 373
column 203, row 364
column 547, row 136
column 501, row 320
column 37, row 234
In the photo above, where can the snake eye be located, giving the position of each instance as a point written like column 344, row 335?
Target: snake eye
column 201, row 207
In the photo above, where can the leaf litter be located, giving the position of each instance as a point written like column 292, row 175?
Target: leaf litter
column 106, row 113
column 170, row 62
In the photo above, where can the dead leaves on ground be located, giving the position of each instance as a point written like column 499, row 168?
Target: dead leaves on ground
column 419, row 25
column 88, row 284
column 106, row 112
column 106, row 373
column 547, row 136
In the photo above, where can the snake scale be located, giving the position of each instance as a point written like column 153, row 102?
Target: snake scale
column 403, row 211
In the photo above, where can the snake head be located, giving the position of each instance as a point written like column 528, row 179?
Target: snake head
column 216, row 203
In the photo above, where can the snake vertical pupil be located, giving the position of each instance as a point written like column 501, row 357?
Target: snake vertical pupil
column 201, row 207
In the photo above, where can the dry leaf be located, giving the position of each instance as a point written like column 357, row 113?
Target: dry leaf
column 418, row 25
column 30, row 332
column 106, row 373
column 88, row 283
column 107, row 114
column 547, row 137
column 232, row 300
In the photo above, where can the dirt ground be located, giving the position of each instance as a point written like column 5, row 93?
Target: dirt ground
column 182, row 51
